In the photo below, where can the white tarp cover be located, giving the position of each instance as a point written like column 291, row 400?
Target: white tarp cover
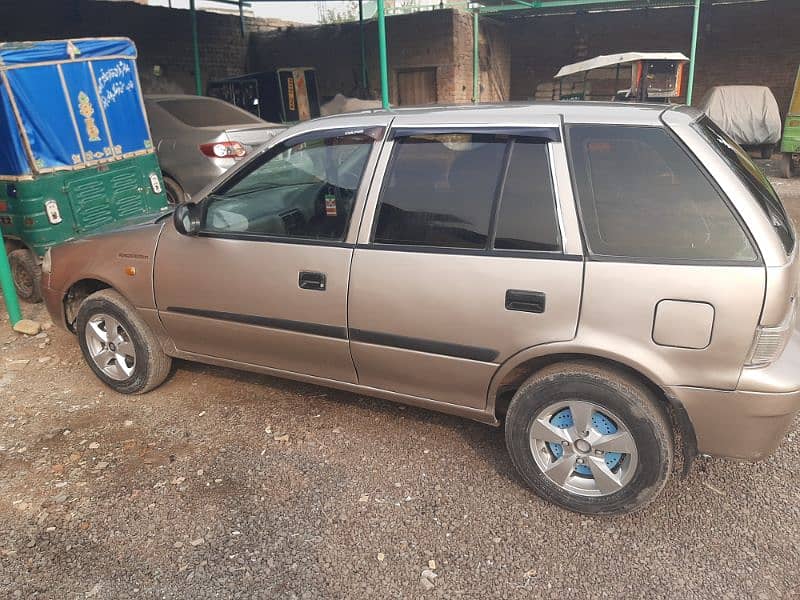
column 609, row 60
column 342, row 104
column 747, row 113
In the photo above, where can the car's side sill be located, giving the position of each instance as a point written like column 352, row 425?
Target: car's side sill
column 474, row 414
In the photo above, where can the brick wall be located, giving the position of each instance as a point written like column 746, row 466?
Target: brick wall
column 440, row 39
column 746, row 43
column 756, row 44
column 162, row 36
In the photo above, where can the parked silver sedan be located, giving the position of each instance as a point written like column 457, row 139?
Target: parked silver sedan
column 198, row 138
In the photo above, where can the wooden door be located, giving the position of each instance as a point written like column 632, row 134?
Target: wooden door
column 416, row 86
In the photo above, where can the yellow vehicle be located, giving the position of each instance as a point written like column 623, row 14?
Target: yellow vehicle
column 790, row 142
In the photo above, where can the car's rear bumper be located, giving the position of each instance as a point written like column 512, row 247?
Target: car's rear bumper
column 738, row 424
column 750, row 421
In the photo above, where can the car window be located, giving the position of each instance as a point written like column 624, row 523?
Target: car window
column 207, row 112
column 642, row 196
column 527, row 216
column 752, row 177
column 441, row 189
column 306, row 191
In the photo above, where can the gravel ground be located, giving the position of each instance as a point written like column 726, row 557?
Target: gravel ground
column 223, row 484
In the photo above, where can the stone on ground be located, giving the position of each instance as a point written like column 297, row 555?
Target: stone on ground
column 28, row 327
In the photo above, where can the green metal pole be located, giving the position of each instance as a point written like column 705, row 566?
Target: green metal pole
column 695, row 28
column 384, row 66
column 364, row 83
column 476, row 59
column 7, row 285
column 196, row 48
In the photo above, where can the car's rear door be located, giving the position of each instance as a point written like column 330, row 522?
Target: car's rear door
column 468, row 252
column 265, row 283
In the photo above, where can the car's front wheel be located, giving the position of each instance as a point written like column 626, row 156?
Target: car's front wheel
column 589, row 439
column 119, row 346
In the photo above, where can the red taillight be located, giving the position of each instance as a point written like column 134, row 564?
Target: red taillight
column 223, row 150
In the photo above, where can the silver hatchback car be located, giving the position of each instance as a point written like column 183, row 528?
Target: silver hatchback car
column 603, row 279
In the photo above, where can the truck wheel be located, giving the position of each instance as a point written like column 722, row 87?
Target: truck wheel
column 766, row 151
column 588, row 439
column 175, row 193
column 119, row 346
column 27, row 275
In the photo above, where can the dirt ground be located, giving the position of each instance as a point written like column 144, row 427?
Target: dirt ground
column 223, row 484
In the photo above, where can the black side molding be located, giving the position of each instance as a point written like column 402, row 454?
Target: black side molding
column 331, row 331
column 421, row 345
column 340, row 333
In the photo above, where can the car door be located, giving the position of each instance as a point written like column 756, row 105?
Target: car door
column 265, row 281
column 466, row 256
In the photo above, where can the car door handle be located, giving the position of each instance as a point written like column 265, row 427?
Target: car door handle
column 525, row 301
column 311, row 280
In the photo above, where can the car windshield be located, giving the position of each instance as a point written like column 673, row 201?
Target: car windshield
column 752, row 177
column 207, row 112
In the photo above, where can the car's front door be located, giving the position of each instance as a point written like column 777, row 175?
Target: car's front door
column 265, row 281
column 467, row 260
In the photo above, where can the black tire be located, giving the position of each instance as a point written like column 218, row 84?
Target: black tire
column 27, row 275
column 644, row 417
column 152, row 365
column 766, row 151
column 175, row 193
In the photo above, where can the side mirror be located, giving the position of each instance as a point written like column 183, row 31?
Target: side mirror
column 186, row 218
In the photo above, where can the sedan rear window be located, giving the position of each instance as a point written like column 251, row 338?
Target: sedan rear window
column 642, row 196
column 752, row 177
column 207, row 112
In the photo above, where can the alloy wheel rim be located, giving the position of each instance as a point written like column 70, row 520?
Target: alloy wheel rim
column 110, row 347
column 583, row 448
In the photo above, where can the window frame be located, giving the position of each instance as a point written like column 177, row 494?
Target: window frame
column 377, row 132
column 540, row 135
column 597, row 257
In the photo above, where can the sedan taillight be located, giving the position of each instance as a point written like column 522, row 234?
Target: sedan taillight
column 224, row 149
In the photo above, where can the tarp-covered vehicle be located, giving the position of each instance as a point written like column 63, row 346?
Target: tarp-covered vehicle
column 75, row 148
column 747, row 113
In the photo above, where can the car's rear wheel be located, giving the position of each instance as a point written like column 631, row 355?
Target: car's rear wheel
column 589, row 439
column 175, row 193
column 118, row 345
column 27, row 275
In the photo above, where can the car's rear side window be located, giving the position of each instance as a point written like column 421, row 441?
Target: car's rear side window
column 642, row 196
column 441, row 190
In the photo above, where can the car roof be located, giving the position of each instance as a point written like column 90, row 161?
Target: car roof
column 513, row 113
